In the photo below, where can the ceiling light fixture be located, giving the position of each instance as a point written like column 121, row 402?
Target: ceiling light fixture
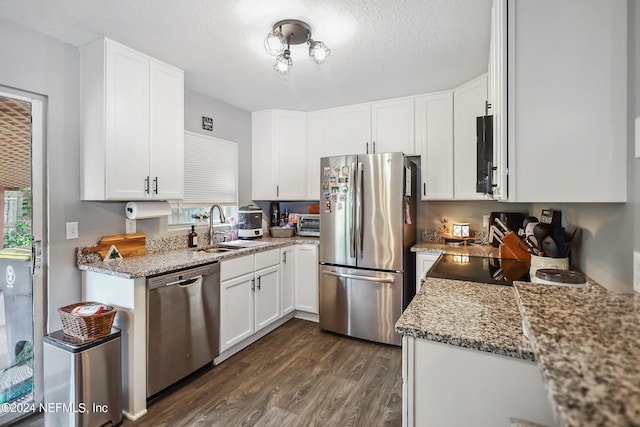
column 292, row 31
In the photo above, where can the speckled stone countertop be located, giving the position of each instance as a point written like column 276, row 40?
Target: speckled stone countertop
column 587, row 344
column 479, row 316
column 477, row 250
column 152, row 264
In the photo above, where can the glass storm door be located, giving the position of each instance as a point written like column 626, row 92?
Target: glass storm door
column 21, row 172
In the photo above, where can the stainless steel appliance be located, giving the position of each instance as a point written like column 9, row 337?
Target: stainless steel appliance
column 249, row 222
column 309, row 225
column 480, row 269
column 183, row 324
column 367, row 214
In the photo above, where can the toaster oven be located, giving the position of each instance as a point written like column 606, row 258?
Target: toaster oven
column 308, row 225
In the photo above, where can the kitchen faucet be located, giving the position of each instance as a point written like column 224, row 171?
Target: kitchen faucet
column 222, row 220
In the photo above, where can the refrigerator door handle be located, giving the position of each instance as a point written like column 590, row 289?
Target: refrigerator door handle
column 358, row 277
column 360, row 212
column 352, row 213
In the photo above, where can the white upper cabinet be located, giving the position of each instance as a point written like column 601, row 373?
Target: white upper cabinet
column 392, row 128
column 434, row 138
column 132, row 125
column 278, row 154
column 468, row 103
column 350, row 130
column 317, row 147
column 567, row 99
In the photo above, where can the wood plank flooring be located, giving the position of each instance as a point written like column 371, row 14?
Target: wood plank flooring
column 295, row 376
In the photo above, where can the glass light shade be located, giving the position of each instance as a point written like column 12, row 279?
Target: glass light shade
column 274, row 43
column 283, row 63
column 318, row 52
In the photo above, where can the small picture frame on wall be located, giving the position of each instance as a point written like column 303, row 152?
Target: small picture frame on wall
column 207, row 123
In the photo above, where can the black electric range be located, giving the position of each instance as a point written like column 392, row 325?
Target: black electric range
column 480, row 269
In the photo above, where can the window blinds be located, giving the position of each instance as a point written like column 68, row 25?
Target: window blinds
column 210, row 169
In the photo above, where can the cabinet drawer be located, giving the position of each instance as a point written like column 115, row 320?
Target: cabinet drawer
column 236, row 267
column 267, row 258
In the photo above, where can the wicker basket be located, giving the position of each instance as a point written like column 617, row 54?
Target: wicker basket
column 87, row 328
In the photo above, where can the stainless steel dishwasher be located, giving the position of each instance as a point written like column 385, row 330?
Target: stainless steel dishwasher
column 183, row 324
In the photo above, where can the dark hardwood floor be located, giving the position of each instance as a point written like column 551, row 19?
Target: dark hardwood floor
column 295, row 376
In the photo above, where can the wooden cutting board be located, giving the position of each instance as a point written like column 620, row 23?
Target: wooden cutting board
column 128, row 245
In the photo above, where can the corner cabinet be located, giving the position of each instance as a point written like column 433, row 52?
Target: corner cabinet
column 469, row 102
column 567, row 100
column 434, row 137
column 287, row 279
column 278, row 143
column 132, row 125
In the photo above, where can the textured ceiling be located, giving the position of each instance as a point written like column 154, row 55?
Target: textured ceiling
column 380, row 48
column 15, row 144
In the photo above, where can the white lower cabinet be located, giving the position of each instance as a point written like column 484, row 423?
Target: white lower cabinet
column 249, row 295
column 424, row 261
column 287, row 279
column 448, row 385
column 306, row 278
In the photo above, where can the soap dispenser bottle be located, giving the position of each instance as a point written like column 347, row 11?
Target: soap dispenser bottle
column 193, row 237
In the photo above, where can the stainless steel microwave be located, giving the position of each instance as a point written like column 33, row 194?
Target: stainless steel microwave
column 308, row 225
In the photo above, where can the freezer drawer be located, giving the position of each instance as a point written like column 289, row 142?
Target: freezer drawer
column 361, row 303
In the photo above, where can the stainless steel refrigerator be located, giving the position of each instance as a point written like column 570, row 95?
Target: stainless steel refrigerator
column 367, row 227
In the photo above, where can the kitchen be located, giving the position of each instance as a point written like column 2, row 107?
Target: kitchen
column 608, row 237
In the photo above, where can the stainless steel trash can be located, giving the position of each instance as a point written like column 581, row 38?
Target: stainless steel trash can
column 82, row 381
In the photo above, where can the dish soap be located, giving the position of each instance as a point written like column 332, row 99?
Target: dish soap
column 193, row 237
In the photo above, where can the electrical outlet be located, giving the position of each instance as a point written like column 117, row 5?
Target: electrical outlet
column 636, row 271
column 485, row 221
column 72, row 230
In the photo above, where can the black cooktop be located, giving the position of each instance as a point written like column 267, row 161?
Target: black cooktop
column 480, row 269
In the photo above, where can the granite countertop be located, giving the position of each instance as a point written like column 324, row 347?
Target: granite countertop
column 475, row 250
column 587, row 344
column 479, row 316
column 152, row 264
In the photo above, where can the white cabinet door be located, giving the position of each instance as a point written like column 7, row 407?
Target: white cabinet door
column 267, row 296
column 306, row 278
column 287, row 279
column 424, row 261
column 127, row 123
column 434, row 136
column 290, row 130
column 278, row 155
column 132, row 125
column 166, row 124
column 236, row 310
column 568, row 112
column 317, row 147
column 350, row 130
column 393, row 126
column 468, row 103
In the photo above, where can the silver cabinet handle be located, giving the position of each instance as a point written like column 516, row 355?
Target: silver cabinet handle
column 367, row 148
column 155, row 185
column 253, row 285
column 424, row 188
column 146, row 185
column 284, row 257
column 357, row 277
column 277, row 191
column 374, row 147
column 258, row 282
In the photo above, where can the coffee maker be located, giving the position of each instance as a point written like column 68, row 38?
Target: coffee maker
column 249, row 222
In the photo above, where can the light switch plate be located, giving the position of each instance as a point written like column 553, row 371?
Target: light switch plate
column 72, row 230
column 636, row 271
column 485, row 221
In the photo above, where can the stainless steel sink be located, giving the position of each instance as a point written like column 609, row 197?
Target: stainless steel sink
column 217, row 250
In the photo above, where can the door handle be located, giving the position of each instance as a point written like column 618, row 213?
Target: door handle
column 358, row 277
column 352, row 231
column 36, row 255
column 360, row 212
